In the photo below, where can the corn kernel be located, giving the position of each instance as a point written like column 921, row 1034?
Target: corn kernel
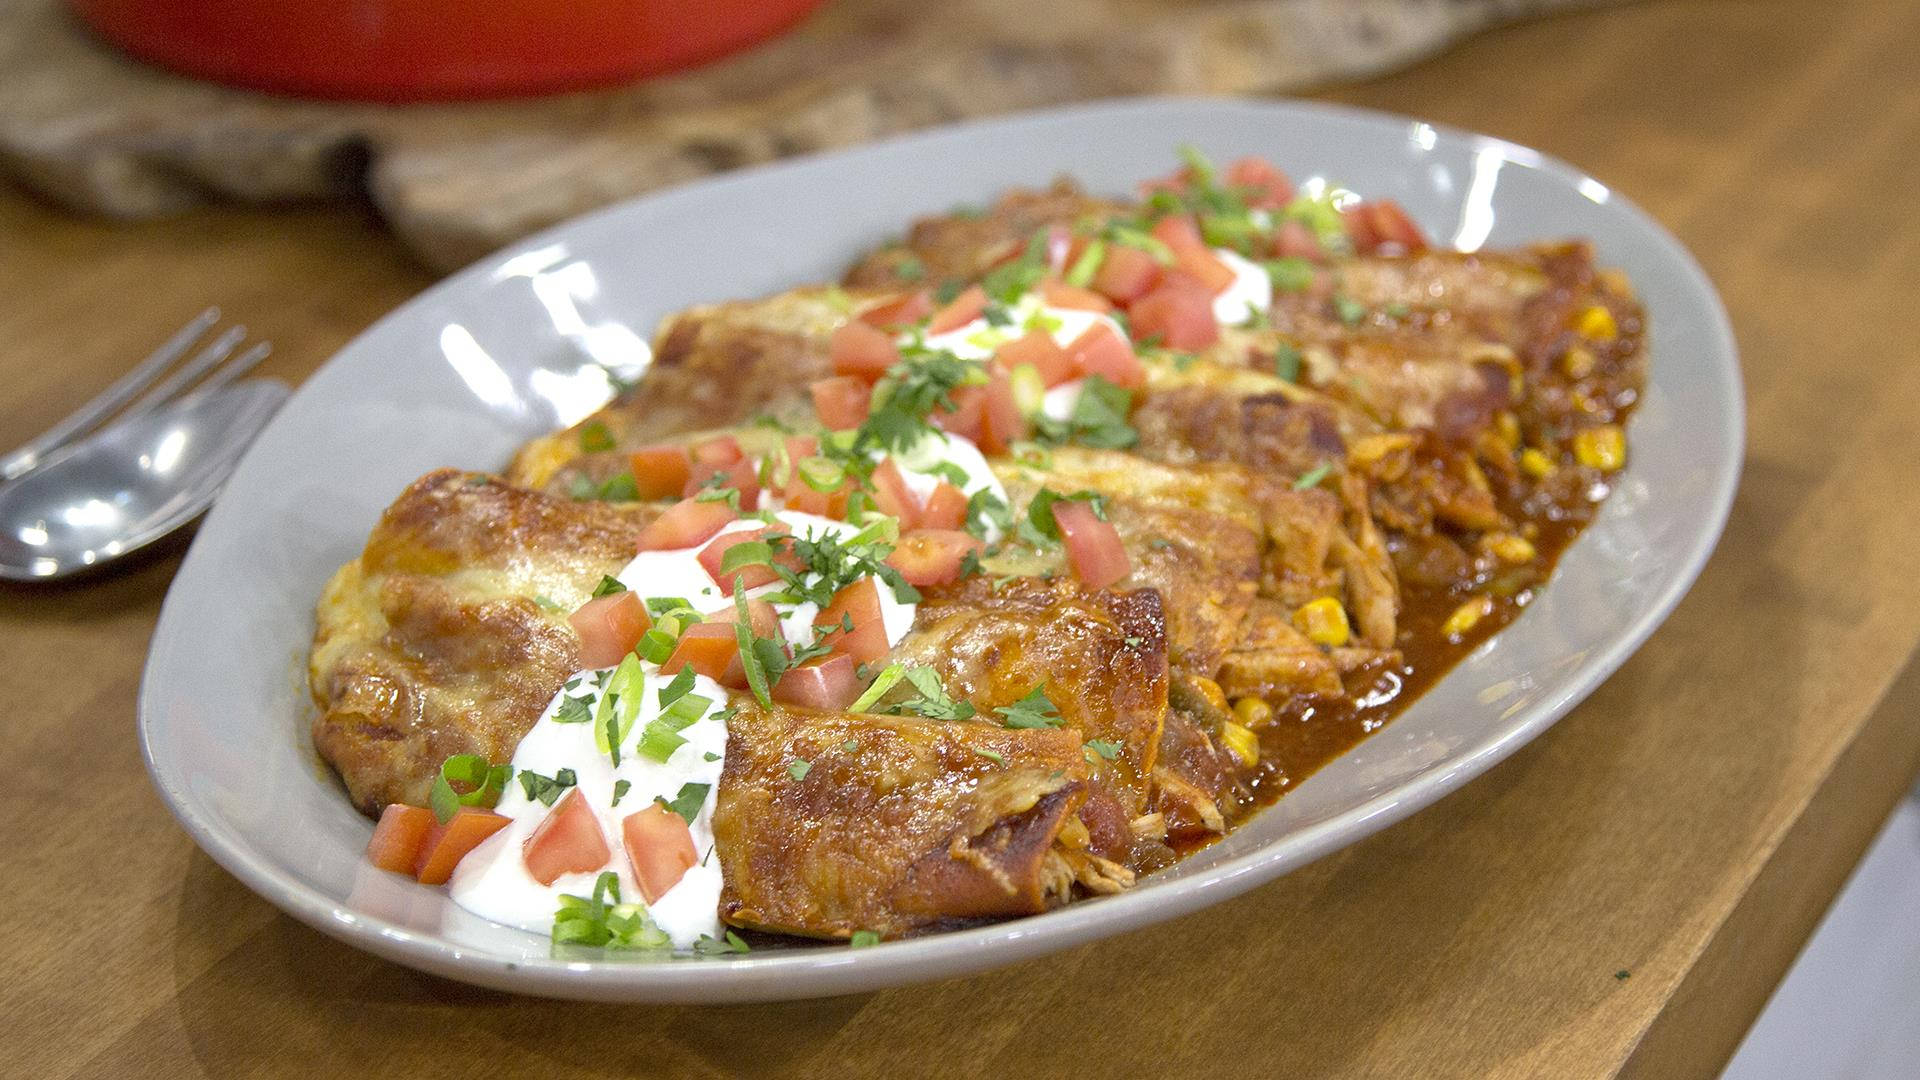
column 1467, row 616
column 1210, row 690
column 1324, row 622
column 1596, row 324
column 1371, row 448
column 1603, row 447
column 1536, row 464
column 1253, row 712
column 1475, row 474
column 1510, row 548
column 1508, row 425
column 1579, row 362
column 1242, row 741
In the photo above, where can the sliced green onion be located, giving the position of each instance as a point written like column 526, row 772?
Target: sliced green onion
column 1080, row 274
column 882, row 683
column 484, row 782
column 1312, row 477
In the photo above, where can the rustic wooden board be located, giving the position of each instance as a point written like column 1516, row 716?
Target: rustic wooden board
column 84, row 126
column 1686, row 825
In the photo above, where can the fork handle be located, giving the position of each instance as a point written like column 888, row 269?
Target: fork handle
column 23, row 459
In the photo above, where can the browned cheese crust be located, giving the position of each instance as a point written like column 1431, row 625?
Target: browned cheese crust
column 448, row 634
column 899, row 823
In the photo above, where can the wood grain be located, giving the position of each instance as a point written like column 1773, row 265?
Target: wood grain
column 85, row 126
column 1619, row 896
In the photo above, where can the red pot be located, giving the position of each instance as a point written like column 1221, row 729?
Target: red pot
column 433, row 50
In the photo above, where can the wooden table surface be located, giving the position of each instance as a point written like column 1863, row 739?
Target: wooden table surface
column 1620, row 896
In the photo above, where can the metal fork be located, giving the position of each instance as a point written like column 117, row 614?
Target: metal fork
column 211, row 362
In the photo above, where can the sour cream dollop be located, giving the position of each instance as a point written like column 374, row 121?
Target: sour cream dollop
column 493, row 881
column 1251, row 292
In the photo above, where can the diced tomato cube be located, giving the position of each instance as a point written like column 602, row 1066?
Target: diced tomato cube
column 1178, row 232
column 933, row 556
column 1293, row 239
column 1037, row 348
column 719, row 450
column 659, row 848
column 1126, row 272
column 899, row 313
column 762, row 619
column 398, row 838
column 1004, row 424
column 964, row 418
column 1093, row 546
column 960, row 311
column 706, row 647
column 660, row 472
column 1393, row 231
column 609, row 627
column 1102, row 351
column 687, row 523
column 1062, row 295
column 1178, row 313
column 742, row 476
column 445, row 845
column 858, row 604
column 714, row 554
column 1268, row 188
column 1358, row 221
column 826, row 683
column 1191, row 254
column 945, row 508
column 862, row 351
column 802, row 497
column 842, row 401
column 1207, row 268
column 567, row 841
column 892, row 496
column 801, row 446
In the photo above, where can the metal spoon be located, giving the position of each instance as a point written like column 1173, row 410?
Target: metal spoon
column 96, row 500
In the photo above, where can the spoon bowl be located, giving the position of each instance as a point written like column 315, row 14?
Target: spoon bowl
column 131, row 484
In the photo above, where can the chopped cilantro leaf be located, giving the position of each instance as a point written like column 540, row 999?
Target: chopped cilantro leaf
column 546, row 789
column 798, row 768
column 709, row 946
column 1036, row 710
column 863, row 939
column 1106, row 748
column 620, row 789
column 689, row 800
column 933, row 702
column 1040, row 510
column 608, row 586
column 573, row 710
column 1286, row 362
